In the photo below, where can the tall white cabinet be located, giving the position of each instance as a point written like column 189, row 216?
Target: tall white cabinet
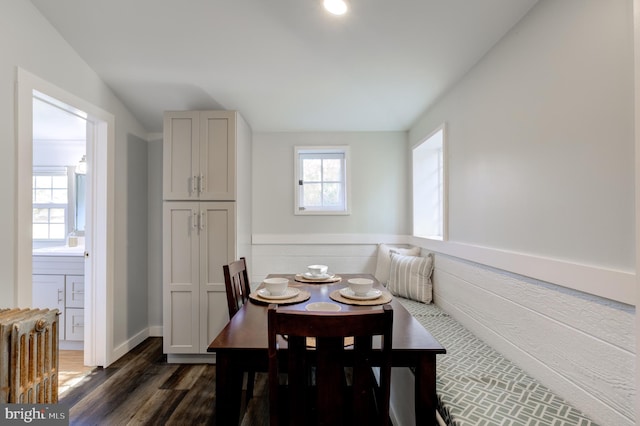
column 206, row 223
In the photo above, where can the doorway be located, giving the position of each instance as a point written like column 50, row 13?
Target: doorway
column 99, row 217
column 58, row 223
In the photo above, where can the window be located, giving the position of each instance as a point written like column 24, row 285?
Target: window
column 322, row 185
column 429, row 203
column 50, row 203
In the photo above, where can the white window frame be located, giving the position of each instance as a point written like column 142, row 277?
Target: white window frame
column 329, row 151
column 54, row 171
column 429, row 178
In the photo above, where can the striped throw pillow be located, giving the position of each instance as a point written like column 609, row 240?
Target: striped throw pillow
column 410, row 277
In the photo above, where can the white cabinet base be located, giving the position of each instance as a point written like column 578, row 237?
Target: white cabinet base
column 58, row 282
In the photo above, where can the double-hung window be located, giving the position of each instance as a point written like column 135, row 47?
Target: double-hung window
column 50, row 203
column 322, row 184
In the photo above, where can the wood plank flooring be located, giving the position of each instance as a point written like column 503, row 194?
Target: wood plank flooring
column 142, row 389
column 71, row 369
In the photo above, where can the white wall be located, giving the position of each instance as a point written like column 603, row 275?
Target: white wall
column 28, row 41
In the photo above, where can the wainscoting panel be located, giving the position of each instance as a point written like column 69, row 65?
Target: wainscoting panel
column 580, row 346
column 294, row 258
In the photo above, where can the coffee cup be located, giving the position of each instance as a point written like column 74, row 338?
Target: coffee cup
column 276, row 286
column 360, row 286
column 317, row 270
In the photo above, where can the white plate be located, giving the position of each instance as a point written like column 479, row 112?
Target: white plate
column 288, row 294
column 309, row 276
column 349, row 294
column 323, row 307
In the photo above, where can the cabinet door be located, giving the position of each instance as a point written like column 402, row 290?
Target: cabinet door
column 48, row 292
column 181, row 155
column 181, row 277
column 74, row 291
column 74, row 324
column 217, row 247
column 217, row 176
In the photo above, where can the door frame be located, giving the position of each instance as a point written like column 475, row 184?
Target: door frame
column 99, row 269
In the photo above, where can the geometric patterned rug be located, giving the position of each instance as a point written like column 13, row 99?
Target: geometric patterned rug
column 477, row 386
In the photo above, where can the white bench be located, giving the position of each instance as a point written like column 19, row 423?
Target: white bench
column 478, row 386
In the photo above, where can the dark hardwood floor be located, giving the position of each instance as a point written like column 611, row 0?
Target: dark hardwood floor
column 142, row 389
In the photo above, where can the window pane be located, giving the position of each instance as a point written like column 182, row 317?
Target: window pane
column 59, row 182
column 332, row 170
column 42, row 196
column 40, row 215
column 57, row 232
column 40, row 232
column 331, row 194
column 56, row 216
column 43, row 182
column 312, row 195
column 59, row 196
column 311, row 170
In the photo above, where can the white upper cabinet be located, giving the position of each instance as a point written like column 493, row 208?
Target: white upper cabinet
column 199, row 155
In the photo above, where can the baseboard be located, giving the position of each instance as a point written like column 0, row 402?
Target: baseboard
column 130, row 344
column 155, row 331
column 191, row 359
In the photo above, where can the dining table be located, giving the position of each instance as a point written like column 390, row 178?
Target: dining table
column 242, row 345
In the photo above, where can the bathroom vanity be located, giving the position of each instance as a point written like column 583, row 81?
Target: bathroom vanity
column 58, row 282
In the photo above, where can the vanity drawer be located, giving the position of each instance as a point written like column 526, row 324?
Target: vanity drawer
column 74, row 291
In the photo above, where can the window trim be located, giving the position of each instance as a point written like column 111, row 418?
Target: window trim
column 322, row 149
column 444, row 197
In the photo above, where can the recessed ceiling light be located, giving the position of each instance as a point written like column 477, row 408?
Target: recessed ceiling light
column 337, row 7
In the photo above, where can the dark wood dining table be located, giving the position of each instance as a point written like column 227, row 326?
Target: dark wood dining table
column 242, row 346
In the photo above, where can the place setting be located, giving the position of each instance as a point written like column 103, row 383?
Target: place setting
column 317, row 274
column 360, row 291
column 277, row 290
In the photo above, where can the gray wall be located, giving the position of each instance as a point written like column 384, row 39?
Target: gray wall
column 541, row 138
column 27, row 40
column 379, row 203
column 137, row 235
column 154, row 199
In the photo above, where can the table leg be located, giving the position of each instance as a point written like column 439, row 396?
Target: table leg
column 426, row 399
column 228, row 390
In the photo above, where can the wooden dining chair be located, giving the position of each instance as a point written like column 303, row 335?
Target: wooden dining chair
column 236, row 282
column 319, row 388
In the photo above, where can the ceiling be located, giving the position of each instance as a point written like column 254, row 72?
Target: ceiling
column 286, row 65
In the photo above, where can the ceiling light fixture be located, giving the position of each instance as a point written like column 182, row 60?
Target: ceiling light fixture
column 337, row 7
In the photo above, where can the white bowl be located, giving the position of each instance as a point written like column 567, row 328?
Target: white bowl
column 276, row 286
column 317, row 270
column 360, row 286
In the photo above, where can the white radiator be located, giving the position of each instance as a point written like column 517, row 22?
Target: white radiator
column 29, row 356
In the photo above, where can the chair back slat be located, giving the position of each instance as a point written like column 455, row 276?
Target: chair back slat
column 328, row 393
column 236, row 281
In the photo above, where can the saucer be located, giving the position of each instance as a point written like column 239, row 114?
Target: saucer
column 323, row 307
column 309, row 276
column 288, row 294
column 349, row 294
